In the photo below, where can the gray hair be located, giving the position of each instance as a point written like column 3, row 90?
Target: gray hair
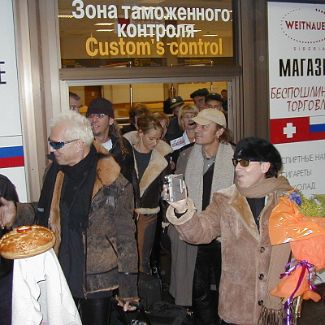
column 78, row 126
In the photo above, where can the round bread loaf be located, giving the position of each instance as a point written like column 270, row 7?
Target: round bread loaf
column 26, row 241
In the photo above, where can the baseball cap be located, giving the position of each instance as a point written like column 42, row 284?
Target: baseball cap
column 208, row 115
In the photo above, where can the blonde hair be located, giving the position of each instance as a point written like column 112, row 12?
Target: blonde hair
column 188, row 108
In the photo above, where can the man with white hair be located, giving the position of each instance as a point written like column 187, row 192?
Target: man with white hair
column 88, row 205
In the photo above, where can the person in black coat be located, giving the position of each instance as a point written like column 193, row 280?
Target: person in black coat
column 107, row 133
column 7, row 191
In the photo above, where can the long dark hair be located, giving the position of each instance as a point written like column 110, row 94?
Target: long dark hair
column 115, row 131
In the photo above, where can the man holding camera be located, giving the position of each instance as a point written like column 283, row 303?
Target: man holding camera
column 207, row 167
column 240, row 215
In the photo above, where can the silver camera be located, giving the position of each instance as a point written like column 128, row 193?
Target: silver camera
column 175, row 188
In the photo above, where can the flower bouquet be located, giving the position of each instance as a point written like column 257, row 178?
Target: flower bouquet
column 298, row 220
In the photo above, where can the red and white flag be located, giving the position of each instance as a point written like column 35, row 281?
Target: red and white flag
column 296, row 129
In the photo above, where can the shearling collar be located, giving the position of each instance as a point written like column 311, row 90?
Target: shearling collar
column 157, row 162
column 239, row 202
column 162, row 147
column 107, row 169
column 107, row 172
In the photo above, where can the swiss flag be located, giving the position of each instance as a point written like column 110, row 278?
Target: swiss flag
column 286, row 130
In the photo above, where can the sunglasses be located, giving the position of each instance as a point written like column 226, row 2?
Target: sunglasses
column 96, row 116
column 56, row 145
column 241, row 162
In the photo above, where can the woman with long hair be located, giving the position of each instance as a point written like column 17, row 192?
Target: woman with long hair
column 151, row 166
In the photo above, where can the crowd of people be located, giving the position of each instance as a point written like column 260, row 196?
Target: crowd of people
column 101, row 197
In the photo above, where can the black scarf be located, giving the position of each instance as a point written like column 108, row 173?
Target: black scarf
column 81, row 175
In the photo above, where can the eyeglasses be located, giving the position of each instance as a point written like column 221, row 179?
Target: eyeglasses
column 56, row 145
column 241, row 162
column 96, row 116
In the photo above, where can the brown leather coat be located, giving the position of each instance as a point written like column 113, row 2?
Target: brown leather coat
column 109, row 241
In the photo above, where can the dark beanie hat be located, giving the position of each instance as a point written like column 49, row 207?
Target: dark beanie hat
column 200, row 92
column 257, row 149
column 100, row 106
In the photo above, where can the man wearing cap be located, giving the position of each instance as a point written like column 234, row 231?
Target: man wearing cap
column 106, row 131
column 207, row 167
column 240, row 214
column 174, row 130
column 198, row 97
column 214, row 100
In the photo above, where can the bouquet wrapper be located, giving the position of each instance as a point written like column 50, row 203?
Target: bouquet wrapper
column 288, row 224
column 306, row 236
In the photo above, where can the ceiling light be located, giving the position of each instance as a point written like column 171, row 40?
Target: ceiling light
column 65, row 16
column 210, row 35
column 104, row 24
column 104, row 30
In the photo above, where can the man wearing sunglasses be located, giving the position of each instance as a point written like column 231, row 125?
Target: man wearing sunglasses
column 239, row 214
column 89, row 206
column 107, row 133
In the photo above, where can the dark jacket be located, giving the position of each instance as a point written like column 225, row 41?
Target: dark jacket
column 152, row 180
column 125, row 160
column 7, row 191
column 109, row 240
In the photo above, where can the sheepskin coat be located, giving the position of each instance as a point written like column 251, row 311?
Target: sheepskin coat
column 246, row 252
column 152, row 180
column 109, row 240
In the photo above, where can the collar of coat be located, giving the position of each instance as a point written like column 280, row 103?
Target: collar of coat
column 240, row 203
column 107, row 172
column 107, row 169
column 157, row 161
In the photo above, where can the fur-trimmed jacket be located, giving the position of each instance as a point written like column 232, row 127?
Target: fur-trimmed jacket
column 246, row 251
column 110, row 250
column 152, row 180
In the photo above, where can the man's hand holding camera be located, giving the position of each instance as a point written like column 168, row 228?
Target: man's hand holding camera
column 175, row 193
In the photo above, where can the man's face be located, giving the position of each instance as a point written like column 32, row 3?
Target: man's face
column 252, row 174
column 199, row 102
column 74, row 104
column 176, row 110
column 207, row 134
column 212, row 103
column 100, row 124
column 70, row 153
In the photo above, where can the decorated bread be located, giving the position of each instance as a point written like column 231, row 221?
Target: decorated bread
column 26, row 241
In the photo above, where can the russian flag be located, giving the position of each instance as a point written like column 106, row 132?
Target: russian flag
column 11, row 157
column 296, row 129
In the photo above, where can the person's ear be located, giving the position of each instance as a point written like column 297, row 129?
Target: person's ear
column 110, row 120
column 265, row 166
column 219, row 132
